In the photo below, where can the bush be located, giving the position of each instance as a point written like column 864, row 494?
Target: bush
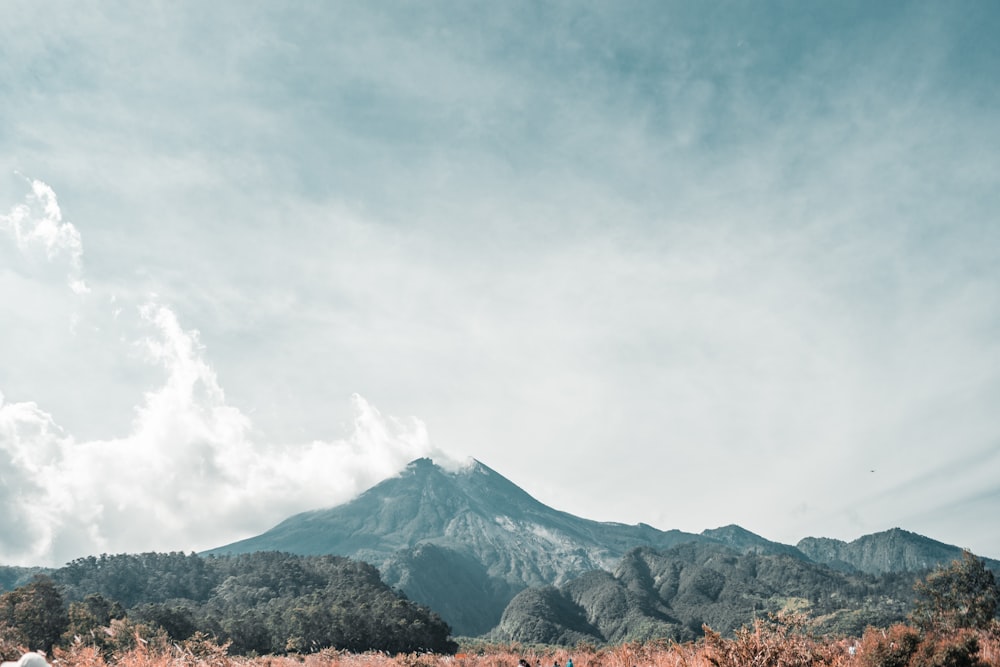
column 889, row 648
column 960, row 649
column 779, row 640
column 905, row 646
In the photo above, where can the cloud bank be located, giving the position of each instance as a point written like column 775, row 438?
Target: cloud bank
column 191, row 473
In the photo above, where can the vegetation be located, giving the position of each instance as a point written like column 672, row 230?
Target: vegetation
column 33, row 615
column 765, row 644
column 12, row 577
column 333, row 612
column 262, row 603
column 673, row 593
column 962, row 595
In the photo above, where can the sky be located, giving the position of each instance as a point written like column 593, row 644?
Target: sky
column 682, row 263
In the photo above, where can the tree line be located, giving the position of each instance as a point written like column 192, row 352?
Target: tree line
column 260, row 603
column 276, row 603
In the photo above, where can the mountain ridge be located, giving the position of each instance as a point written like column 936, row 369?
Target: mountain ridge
column 465, row 542
column 484, row 529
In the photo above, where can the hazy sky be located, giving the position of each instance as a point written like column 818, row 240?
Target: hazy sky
column 684, row 263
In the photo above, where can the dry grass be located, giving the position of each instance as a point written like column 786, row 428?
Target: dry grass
column 759, row 646
column 989, row 645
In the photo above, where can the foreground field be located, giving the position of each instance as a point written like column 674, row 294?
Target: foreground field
column 763, row 645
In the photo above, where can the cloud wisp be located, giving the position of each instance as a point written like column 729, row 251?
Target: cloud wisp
column 37, row 227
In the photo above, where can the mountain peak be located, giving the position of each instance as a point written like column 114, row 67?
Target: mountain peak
column 421, row 464
column 733, row 530
column 466, row 524
column 745, row 541
column 447, row 465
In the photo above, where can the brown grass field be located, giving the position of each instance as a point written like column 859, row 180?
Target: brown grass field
column 760, row 646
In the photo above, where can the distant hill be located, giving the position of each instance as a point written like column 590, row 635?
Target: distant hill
column 466, row 543
column 12, row 576
column 894, row 550
column 744, row 541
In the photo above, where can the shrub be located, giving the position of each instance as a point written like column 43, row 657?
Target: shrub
column 889, row 648
column 905, row 646
column 779, row 640
column 960, row 649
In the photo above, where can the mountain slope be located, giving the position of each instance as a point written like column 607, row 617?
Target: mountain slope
column 475, row 510
column 490, row 540
column 466, row 542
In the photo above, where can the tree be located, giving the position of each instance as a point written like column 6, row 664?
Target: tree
column 88, row 618
column 37, row 612
column 962, row 595
column 177, row 620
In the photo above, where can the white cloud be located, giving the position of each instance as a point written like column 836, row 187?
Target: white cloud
column 37, row 226
column 191, row 472
column 189, row 475
column 30, row 442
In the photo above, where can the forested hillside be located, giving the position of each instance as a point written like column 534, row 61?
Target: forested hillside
column 261, row 603
column 11, row 577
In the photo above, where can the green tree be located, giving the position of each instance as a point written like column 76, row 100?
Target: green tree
column 37, row 612
column 177, row 620
column 88, row 618
column 962, row 595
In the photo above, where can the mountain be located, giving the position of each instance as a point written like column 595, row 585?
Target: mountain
column 463, row 542
column 893, row 550
column 12, row 577
column 744, row 541
column 671, row 593
column 476, row 548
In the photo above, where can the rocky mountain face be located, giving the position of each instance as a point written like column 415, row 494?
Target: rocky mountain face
column 479, row 551
column 672, row 593
column 894, row 550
